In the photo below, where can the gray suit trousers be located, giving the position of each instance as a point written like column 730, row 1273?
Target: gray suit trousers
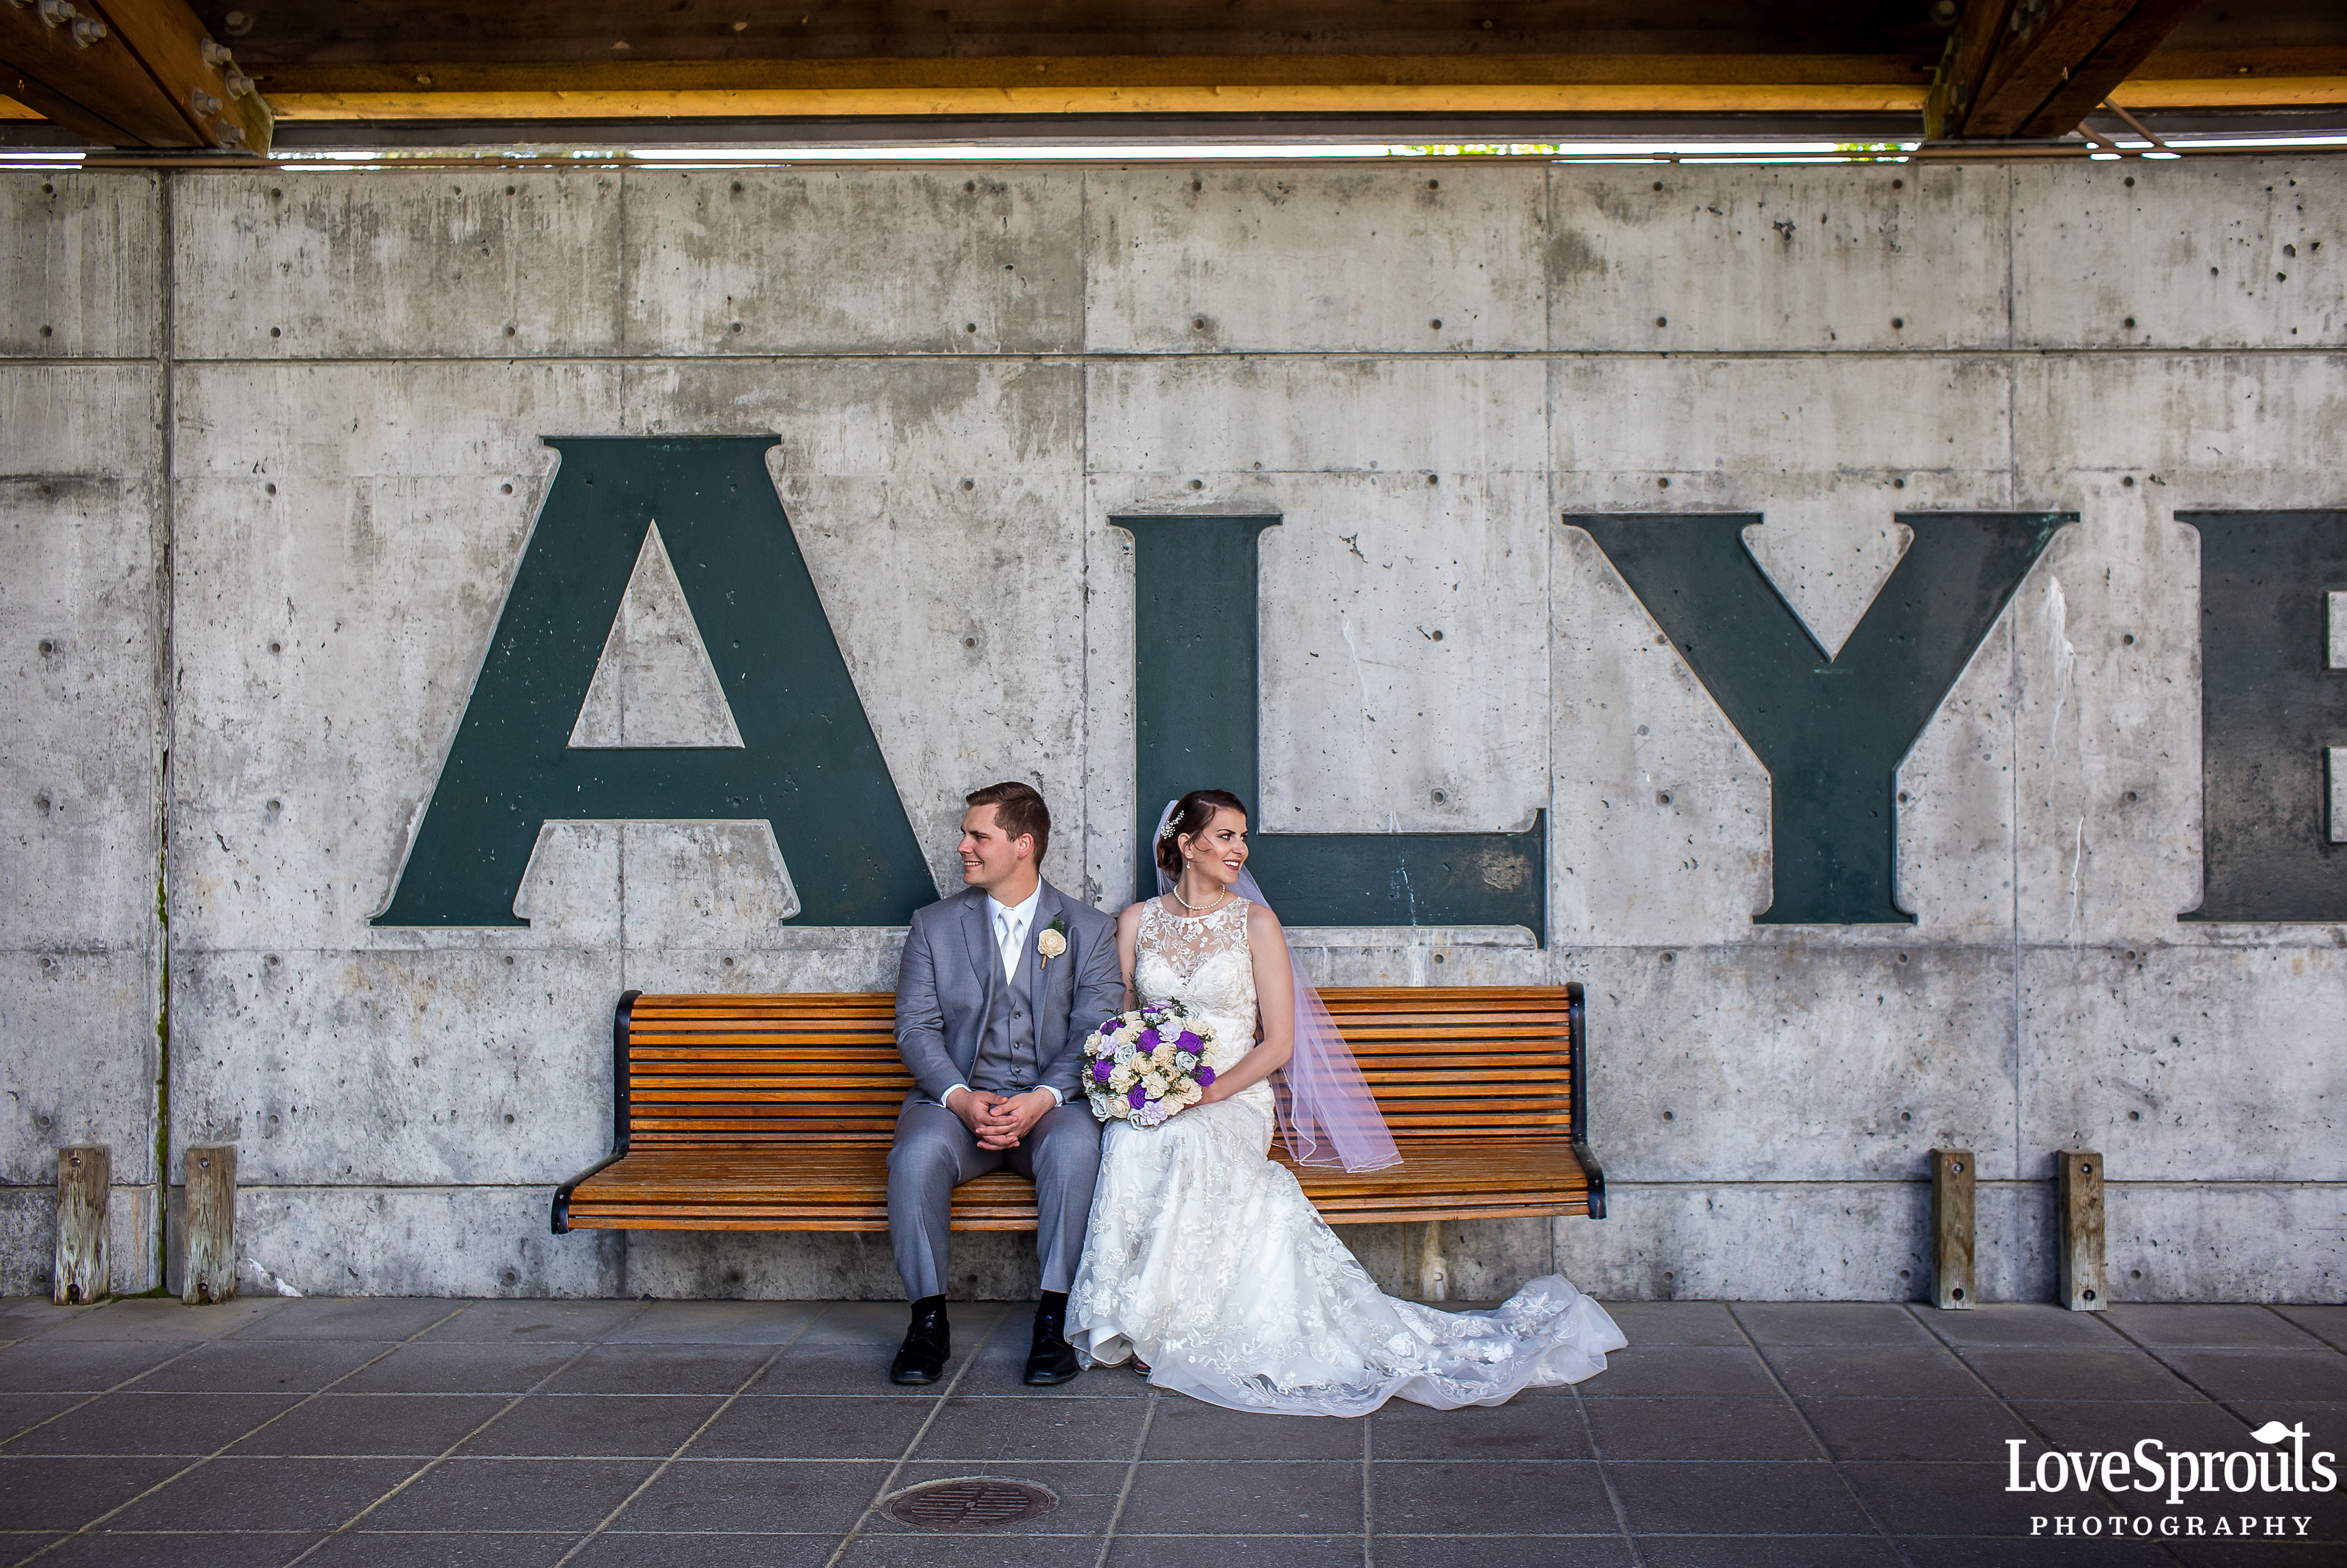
column 936, row 1152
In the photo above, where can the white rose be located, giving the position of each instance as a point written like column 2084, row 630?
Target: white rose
column 1049, row 943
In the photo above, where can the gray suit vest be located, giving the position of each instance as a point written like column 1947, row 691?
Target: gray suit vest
column 1006, row 1060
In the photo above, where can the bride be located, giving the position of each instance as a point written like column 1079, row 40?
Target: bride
column 1205, row 1264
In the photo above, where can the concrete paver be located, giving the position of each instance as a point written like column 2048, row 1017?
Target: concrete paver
column 611, row 1433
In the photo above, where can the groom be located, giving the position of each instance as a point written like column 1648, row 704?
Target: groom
column 999, row 985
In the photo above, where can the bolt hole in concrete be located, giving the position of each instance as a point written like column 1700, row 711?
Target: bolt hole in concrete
column 969, row 484
column 1669, row 1116
column 275, row 806
column 1906, row 1116
column 969, row 642
column 509, row 332
column 1658, row 185
column 969, row 326
column 277, row 648
column 1198, row 323
column 1662, row 799
column 1436, row 323
column 1903, row 957
column 1437, row 958
column 509, row 960
column 47, row 646
column 1662, row 321
column 968, row 1502
column 2127, row 638
column 2130, row 797
column 1670, row 958
column 1441, row 797
column 1898, row 185
column 1664, row 484
column 504, row 489
column 508, row 1118
column 1433, row 480
column 2130, row 321
column 2130, row 180
column 1898, row 483
column 45, row 331
column 269, row 489
column 1897, row 323
column 1197, row 484
column 2135, row 1115
column 274, row 331
column 1434, row 185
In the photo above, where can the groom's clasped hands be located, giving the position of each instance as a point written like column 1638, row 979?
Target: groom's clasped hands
column 999, row 1121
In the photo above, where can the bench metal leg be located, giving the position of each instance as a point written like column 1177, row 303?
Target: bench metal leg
column 1433, row 1271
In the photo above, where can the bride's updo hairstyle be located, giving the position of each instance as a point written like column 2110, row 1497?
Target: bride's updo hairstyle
column 1193, row 815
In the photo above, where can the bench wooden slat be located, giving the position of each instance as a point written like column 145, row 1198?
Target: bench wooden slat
column 775, row 1113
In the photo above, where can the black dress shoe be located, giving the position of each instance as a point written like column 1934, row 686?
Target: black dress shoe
column 921, row 1358
column 1053, row 1360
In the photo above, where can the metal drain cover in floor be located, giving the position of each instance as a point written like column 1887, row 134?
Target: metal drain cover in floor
column 968, row 1502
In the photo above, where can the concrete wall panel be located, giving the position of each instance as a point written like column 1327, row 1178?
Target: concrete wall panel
column 1189, row 418
column 1404, row 258
column 1671, row 260
column 81, row 617
column 837, row 261
column 468, row 1068
column 2189, row 254
column 1799, row 1062
column 461, row 264
column 2187, row 1065
column 81, row 265
column 481, row 1241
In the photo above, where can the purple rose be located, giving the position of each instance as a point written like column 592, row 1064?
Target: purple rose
column 1187, row 1042
column 1205, row 1075
column 1138, row 1098
column 1147, row 1040
column 1103, row 1071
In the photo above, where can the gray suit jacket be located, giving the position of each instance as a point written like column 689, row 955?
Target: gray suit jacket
column 952, row 968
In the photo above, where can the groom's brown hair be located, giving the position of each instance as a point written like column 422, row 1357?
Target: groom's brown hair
column 1020, row 810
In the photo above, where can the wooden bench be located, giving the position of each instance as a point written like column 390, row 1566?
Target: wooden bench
column 775, row 1113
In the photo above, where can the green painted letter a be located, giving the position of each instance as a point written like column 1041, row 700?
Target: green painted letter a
column 808, row 764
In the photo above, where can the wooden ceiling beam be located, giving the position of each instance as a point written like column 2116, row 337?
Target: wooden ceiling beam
column 2034, row 69
column 129, row 73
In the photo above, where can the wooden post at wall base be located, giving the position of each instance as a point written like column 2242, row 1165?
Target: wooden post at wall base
column 1951, row 1229
column 2078, row 1199
column 211, row 1224
column 82, row 1274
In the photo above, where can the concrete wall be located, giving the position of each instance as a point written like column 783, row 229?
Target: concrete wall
column 272, row 452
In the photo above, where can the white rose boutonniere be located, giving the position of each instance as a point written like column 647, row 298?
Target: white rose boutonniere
column 1051, row 941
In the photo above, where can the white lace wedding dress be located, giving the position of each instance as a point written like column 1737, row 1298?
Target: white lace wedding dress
column 1205, row 1258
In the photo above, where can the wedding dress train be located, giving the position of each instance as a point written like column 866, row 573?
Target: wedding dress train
column 1204, row 1258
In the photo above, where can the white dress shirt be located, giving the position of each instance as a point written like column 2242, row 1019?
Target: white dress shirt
column 1008, row 922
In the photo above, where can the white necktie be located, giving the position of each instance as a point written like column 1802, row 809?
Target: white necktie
column 1009, row 940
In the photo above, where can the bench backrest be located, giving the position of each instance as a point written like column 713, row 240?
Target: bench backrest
column 823, row 1066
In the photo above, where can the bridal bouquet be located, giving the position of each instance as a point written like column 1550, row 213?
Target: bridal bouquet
column 1144, row 1065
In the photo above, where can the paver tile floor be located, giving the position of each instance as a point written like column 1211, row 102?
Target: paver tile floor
column 628, row 1434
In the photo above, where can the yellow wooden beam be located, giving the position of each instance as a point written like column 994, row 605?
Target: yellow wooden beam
column 2231, row 92
column 1692, row 98
column 11, row 109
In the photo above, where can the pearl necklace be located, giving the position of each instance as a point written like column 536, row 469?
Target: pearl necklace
column 1199, row 908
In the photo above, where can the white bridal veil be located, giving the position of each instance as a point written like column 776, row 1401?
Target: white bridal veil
column 1326, row 1114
